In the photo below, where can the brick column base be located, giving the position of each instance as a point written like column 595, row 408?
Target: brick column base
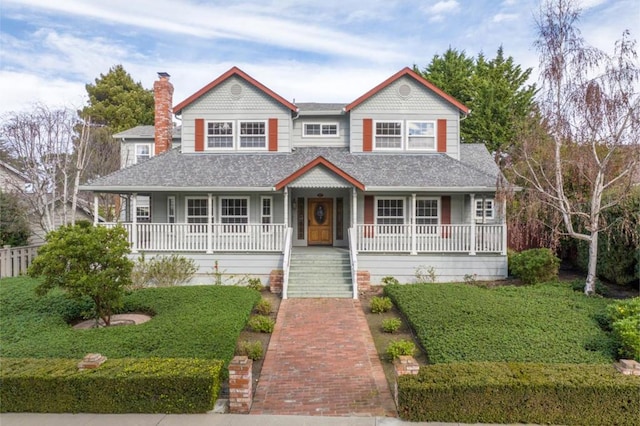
column 364, row 280
column 275, row 281
column 240, row 385
column 404, row 365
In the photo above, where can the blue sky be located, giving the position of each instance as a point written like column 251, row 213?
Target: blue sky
column 322, row 51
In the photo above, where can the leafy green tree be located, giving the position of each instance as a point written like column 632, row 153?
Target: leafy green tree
column 116, row 101
column 494, row 89
column 14, row 227
column 86, row 261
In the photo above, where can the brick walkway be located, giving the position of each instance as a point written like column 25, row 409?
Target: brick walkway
column 322, row 361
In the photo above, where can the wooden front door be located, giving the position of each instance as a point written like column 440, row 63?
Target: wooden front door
column 320, row 222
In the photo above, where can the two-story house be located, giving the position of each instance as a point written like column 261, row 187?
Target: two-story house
column 260, row 184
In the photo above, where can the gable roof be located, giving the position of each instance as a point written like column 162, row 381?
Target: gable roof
column 235, row 71
column 173, row 171
column 406, row 71
column 146, row 132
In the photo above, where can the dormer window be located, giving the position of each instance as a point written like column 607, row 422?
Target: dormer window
column 143, row 152
column 220, row 134
column 320, row 130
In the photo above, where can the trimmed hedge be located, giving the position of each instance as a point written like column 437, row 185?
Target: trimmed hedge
column 153, row 385
column 571, row 394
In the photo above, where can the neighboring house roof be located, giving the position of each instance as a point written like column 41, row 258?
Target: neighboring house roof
column 17, row 173
column 418, row 78
column 235, row 71
column 173, row 170
column 145, row 132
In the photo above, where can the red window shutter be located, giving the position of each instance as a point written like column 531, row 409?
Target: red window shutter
column 369, row 215
column 442, row 135
column 445, row 214
column 199, row 134
column 273, row 134
column 367, row 134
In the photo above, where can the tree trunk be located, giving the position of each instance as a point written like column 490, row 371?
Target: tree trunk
column 590, row 284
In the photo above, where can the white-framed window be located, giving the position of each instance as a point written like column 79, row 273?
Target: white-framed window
column 171, row 209
column 197, row 209
column 266, row 213
column 143, row 152
column 220, row 134
column 143, row 208
column 234, row 212
column 427, row 214
column 389, row 211
column 421, row 135
column 253, row 134
column 388, row 135
column 484, row 209
column 320, row 130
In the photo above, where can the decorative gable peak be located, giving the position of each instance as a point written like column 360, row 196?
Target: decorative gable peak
column 234, row 71
column 406, row 71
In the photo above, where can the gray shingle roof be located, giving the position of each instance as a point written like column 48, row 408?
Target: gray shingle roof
column 145, row 132
column 311, row 108
column 237, row 171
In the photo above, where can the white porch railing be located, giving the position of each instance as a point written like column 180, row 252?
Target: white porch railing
column 430, row 238
column 286, row 261
column 177, row 237
column 353, row 257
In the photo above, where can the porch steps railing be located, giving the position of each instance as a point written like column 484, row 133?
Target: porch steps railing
column 320, row 272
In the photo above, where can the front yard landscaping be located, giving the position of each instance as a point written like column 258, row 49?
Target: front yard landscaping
column 547, row 323
column 188, row 322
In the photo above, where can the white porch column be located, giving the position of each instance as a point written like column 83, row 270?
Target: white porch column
column 286, row 206
column 472, row 214
column 134, row 222
column 209, row 225
column 354, row 206
column 413, row 224
column 95, row 209
column 504, row 227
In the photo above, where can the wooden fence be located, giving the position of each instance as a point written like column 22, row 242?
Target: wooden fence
column 14, row 261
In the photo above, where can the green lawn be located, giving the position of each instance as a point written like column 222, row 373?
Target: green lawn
column 547, row 323
column 195, row 321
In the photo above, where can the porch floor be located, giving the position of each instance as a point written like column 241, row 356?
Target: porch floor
column 322, row 361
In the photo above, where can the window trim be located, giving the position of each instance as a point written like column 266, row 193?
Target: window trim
column 484, row 209
column 252, row 148
column 171, row 202
column 235, row 197
column 321, row 135
column 379, row 226
column 375, row 135
column 435, row 135
column 135, row 151
column 218, row 148
column 139, row 218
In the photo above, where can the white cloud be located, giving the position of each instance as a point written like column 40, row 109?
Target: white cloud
column 501, row 17
column 445, row 6
column 588, row 4
column 20, row 91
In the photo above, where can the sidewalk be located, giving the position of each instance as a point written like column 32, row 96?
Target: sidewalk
column 37, row 419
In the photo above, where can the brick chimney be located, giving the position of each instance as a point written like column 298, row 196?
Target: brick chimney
column 163, row 94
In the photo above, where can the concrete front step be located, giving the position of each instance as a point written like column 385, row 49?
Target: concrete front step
column 320, row 274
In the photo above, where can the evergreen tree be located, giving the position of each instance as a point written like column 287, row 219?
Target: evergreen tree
column 116, row 101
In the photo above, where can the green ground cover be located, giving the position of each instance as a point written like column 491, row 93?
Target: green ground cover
column 544, row 323
column 188, row 322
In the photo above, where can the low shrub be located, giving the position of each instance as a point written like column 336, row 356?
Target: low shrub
column 535, row 265
column 400, row 347
column 263, row 307
column 162, row 271
column 154, row 385
column 261, row 324
column 389, row 280
column 391, row 325
column 255, row 284
column 578, row 285
column 380, row 304
column 520, row 393
column 625, row 324
column 253, row 350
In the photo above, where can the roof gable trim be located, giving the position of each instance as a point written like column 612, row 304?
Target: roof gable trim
column 406, row 71
column 323, row 161
column 237, row 72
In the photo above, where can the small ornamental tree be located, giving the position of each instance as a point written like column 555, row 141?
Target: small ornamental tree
column 86, row 261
